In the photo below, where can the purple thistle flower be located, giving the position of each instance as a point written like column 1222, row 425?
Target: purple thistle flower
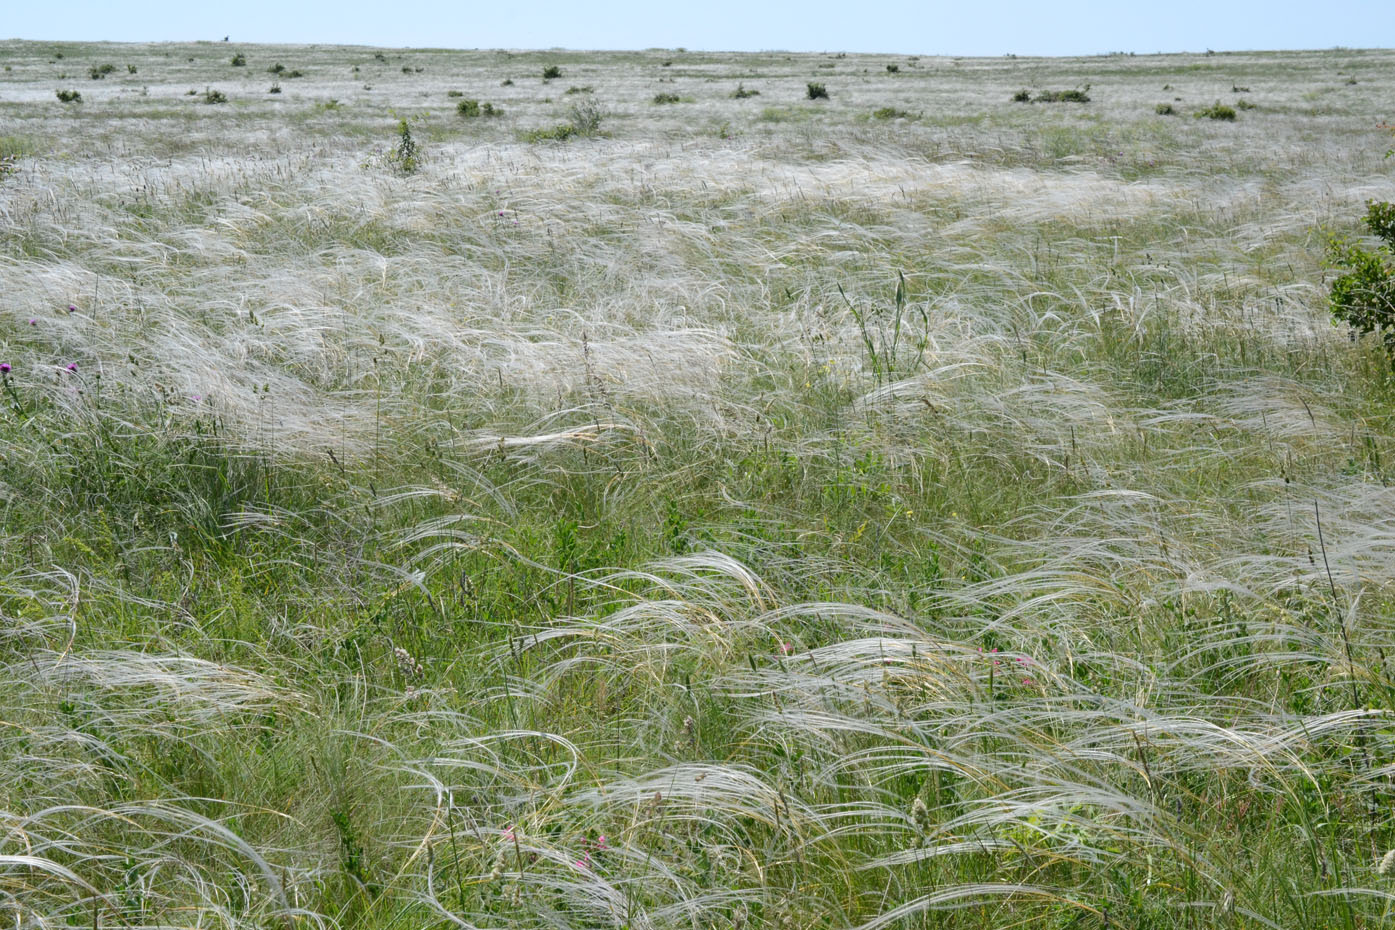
column 33, row 322
column 4, row 368
column 72, row 308
column 72, row 366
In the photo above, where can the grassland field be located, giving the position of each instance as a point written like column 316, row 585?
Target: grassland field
column 638, row 507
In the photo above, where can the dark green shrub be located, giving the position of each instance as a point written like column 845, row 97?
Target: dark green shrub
column 294, row 73
column 1237, row 89
column 816, row 91
column 666, row 98
column 1364, row 296
column 99, row 72
column 69, row 96
column 506, row 82
column 1164, row 109
column 276, row 68
column 588, row 89
column 379, row 56
column 1217, row 110
column 239, row 60
column 1022, row 96
column 893, row 69
column 132, row 69
column 468, row 108
column 550, row 72
column 890, row 113
column 1063, row 96
column 741, row 93
column 406, row 156
column 214, row 96
column 454, row 93
column 1243, row 104
column 274, row 89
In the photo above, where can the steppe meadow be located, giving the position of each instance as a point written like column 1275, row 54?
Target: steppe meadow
column 691, row 490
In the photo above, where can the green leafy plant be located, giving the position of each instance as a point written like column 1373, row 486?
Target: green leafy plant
column 1243, row 104
column 276, row 68
column 454, row 93
column 274, row 89
column 239, row 60
column 69, row 96
column 214, row 96
column 588, row 89
column 550, row 72
column 741, row 93
column 132, row 69
column 1363, row 297
column 666, row 98
column 406, row 155
column 99, row 72
column 816, row 91
column 1165, row 109
column 1022, row 96
column 1079, row 95
column 885, row 113
column 893, row 69
column 471, row 108
column 1217, row 111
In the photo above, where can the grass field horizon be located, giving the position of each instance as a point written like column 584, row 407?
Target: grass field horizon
column 660, row 495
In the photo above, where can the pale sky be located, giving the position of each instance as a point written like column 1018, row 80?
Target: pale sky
column 966, row 27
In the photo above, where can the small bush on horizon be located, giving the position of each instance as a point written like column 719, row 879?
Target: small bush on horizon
column 214, row 96
column 893, row 69
column 666, row 98
column 276, row 68
column 274, row 89
column 816, row 91
column 550, row 72
column 455, row 93
column 1022, row 96
column 1243, row 104
column 885, row 113
column 99, row 72
column 239, row 60
column 1063, row 96
column 69, row 96
column 741, row 93
column 1165, row 109
column 472, row 108
column 506, row 82
column 587, row 89
column 132, row 69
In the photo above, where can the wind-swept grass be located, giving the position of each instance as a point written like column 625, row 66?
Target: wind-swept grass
column 730, row 518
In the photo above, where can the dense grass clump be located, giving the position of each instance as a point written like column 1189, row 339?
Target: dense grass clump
column 754, row 517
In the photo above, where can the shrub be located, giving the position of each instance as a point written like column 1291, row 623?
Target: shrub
column 741, row 93
column 1237, row 89
column 1164, row 109
column 454, row 93
column 666, row 98
column 132, row 69
column 379, row 56
column 1243, row 104
column 471, row 108
column 1217, row 110
column 550, row 72
column 1364, row 297
column 294, row 73
column 893, row 69
column 816, row 91
column 588, row 89
column 406, row 155
column 99, row 72
column 1022, row 96
column 1063, row 96
column 506, row 82
column 276, row 68
column 214, row 96
column 890, row 113
column 69, row 96
column 239, row 60
column 274, row 89
column 583, row 119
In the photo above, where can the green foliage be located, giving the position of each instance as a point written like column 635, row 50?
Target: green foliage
column 741, row 93
column 405, row 156
column 551, row 72
column 666, row 98
column 274, row 89
column 588, row 89
column 69, row 96
column 1363, row 296
column 1079, row 95
column 1243, row 104
column 214, row 96
column 276, row 68
column 1165, row 109
column 132, row 69
column 893, row 69
column 99, row 72
column 1022, row 96
column 815, row 91
column 1217, row 111
column 471, row 108
column 239, row 60
column 455, row 93
column 887, row 113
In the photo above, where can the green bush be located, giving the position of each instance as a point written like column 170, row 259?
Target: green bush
column 1364, row 296
column 69, row 96
column 214, row 96
column 1243, row 104
column 454, row 93
column 276, row 68
column 239, row 60
column 472, row 108
column 1164, row 109
column 587, row 89
column 550, row 72
column 132, row 69
column 1063, row 96
column 893, row 69
column 1217, row 110
column 1022, row 96
column 816, row 91
column 274, row 89
column 406, row 155
column 666, row 98
column 890, row 113
column 741, row 93
column 99, row 72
